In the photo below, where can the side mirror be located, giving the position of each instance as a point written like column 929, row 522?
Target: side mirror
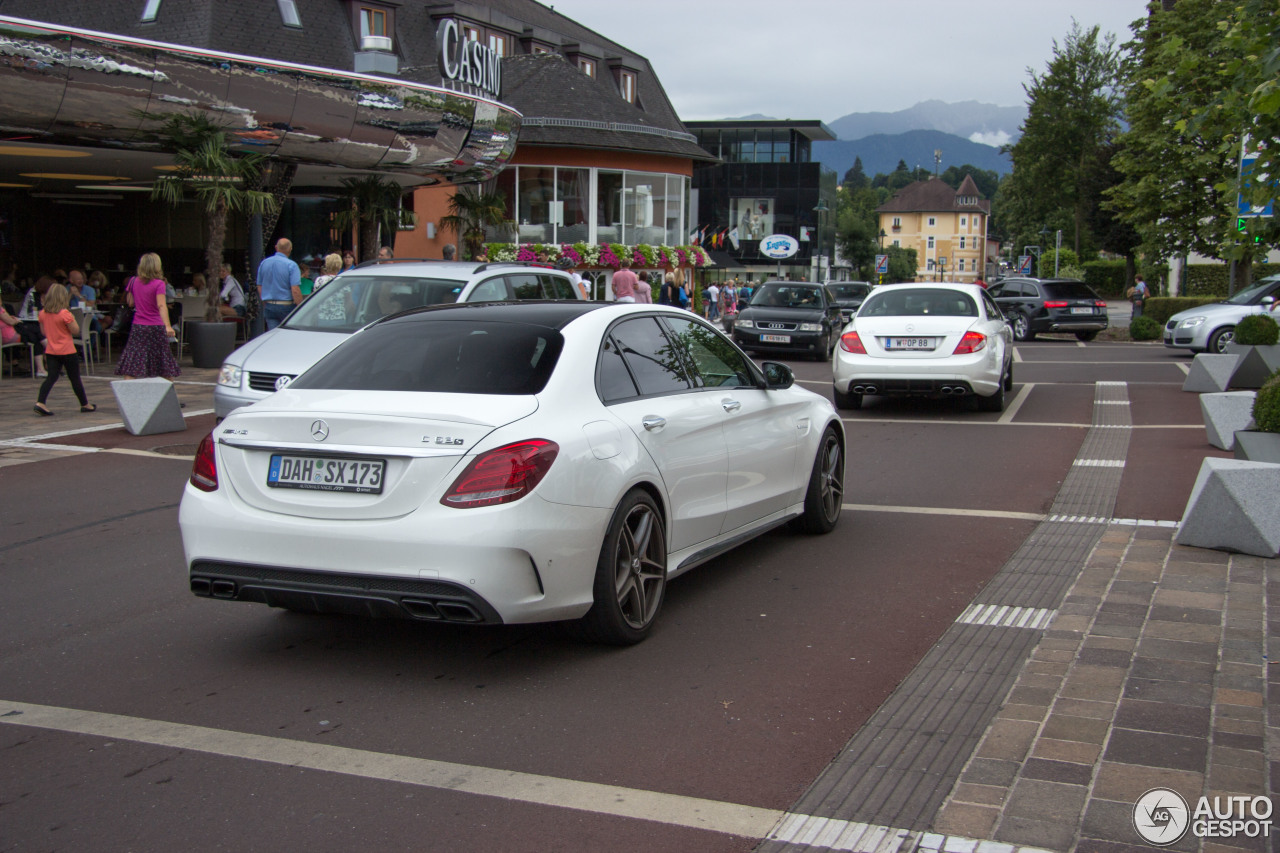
column 777, row 375
column 1268, row 301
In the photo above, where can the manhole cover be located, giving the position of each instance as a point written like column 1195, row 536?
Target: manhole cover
column 177, row 449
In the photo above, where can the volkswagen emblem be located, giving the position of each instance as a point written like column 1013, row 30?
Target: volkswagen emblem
column 283, row 380
column 319, row 430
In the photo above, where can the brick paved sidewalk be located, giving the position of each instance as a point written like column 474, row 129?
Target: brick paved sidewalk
column 1154, row 673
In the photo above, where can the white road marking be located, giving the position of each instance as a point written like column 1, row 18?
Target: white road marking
column 671, row 809
column 942, row 510
column 1012, row 410
column 1006, row 616
column 1099, row 463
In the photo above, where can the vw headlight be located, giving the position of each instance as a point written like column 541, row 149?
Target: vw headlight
column 1190, row 322
column 745, row 324
column 230, row 375
column 809, row 327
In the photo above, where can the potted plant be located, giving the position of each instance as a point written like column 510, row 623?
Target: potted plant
column 1262, row 444
column 219, row 178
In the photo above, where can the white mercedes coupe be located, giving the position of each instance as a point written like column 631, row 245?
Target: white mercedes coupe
column 508, row 462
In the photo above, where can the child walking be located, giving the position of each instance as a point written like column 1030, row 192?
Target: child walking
column 60, row 330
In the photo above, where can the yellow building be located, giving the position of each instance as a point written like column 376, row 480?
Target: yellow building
column 946, row 227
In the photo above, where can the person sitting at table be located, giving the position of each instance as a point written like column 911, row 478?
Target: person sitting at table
column 199, row 285
column 232, row 295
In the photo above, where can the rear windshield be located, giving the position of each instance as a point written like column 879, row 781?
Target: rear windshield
column 849, row 292
column 1068, row 290
column 919, row 302
column 458, row 357
column 786, row 296
column 352, row 301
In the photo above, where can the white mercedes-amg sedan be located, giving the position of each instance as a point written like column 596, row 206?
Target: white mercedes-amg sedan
column 508, row 462
column 930, row 340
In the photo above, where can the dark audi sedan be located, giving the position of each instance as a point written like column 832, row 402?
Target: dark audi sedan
column 1042, row 305
column 790, row 316
column 849, row 296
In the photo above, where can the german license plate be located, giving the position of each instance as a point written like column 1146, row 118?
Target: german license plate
column 1081, row 310
column 909, row 343
column 775, row 339
column 326, row 474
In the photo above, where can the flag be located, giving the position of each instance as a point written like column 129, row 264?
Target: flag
column 693, row 237
column 733, row 238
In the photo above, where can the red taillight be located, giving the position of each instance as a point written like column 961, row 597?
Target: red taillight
column 204, row 471
column 1055, row 303
column 850, row 342
column 503, row 475
column 1101, row 303
column 971, row 342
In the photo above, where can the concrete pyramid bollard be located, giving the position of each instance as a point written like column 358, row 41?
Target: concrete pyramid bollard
column 1233, row 507
column 1210, row 373
column 148, row 406
column 1255, row 366
column 1226, row 412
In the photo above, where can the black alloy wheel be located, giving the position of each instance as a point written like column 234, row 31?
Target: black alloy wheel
column 631, row 574
column 1022, row 328
column 824, row 499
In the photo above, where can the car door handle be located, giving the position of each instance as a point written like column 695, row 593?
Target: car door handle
column 652, row 422
column 731, row 405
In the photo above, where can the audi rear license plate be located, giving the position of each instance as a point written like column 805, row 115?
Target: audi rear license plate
column 1081, row 310
column 326, row 474
column 910, row 343
column 775, row 339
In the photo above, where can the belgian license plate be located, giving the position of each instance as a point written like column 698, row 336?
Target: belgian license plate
column 1081, row 310
column 910, row 343
column 326, row 474
column 775, row 339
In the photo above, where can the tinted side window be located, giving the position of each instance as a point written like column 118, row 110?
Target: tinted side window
column 557, row 287
column 1008, row 288
column 993, row 310
column 525, row 286
column 655, row 363
column 1069, row 290
column 613, row 380
column 493, row 290
column 717, row 363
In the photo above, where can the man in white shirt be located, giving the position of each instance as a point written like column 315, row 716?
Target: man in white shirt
column 232, row 294
column 713, row 302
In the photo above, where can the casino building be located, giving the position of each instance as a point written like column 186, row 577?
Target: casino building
column 572, row 127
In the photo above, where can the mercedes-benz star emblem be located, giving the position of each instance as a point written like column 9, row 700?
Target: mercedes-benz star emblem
column 911, row 327
column 319, row 430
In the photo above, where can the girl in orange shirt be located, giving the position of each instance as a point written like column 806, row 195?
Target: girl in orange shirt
column 60, row 331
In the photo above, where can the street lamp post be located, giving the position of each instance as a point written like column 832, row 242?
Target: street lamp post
column 1057, row 252
column 821, row 210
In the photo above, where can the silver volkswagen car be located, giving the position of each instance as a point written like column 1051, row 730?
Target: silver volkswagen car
column 360, row 296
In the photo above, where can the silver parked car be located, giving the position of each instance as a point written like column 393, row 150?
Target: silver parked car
column 1209, row 328
column 367, row 293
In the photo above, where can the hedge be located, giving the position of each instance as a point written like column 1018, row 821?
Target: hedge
column 1161, row 308
column 1215, row 279
column 1106, row 277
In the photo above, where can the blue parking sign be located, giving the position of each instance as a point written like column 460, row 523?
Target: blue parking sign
column 882, row 264
column 1024, row 265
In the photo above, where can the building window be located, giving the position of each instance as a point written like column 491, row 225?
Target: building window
column 897, row 243
column 930, row 246
column 929, row 263
column 897, row 223
column 537, row 48
column 962, row 265
column 150, row 10
column 627, row 86
column 289, row 13
column 964, row 220
column 932, row 221
column 498, row 44
column 962, row 242
column 587, row 66
column 373, row 22
column 470, row 33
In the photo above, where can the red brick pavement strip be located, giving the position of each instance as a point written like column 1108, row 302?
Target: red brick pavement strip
column 1154, row 674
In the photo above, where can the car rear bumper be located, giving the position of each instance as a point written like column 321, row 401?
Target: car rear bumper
column 1069, row 324
column 914, row 379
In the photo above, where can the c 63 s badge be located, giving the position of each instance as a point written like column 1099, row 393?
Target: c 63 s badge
column 443, row 440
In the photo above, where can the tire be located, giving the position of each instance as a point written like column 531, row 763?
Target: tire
column 1008, row 378
column 1022, row 328
column 1086, row 336
column 994, row 403
column 824, row 499
column 631, row 575
column 824, row 353
column 846, row 401
column 1220, row 338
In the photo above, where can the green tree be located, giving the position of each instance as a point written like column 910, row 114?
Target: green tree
column 372, row 203
column 1201, row 74
column 1073, row 111
column 471, row 210
column 218, row 177
column 902, row 264
column 987, row 180
column 855, row 178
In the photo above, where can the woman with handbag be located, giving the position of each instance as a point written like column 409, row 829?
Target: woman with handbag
column 147, row 353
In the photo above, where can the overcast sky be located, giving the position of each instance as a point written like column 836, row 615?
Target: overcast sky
column 823, row 59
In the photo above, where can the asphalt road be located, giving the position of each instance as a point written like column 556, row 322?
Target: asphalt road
column 177, row 721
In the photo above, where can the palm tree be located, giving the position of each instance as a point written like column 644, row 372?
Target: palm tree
column 373, row 203
column 471, row 210
column 218, row 177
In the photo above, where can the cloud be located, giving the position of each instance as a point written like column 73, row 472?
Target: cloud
column 995, row 140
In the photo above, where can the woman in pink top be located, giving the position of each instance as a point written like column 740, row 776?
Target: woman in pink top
column 147, row 352
column 60, row 331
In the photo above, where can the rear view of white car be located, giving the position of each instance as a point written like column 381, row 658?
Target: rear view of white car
column 927, row 340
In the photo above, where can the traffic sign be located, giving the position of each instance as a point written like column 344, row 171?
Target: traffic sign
column 882, row 264
column 1024, row 265
column 1248, row 158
